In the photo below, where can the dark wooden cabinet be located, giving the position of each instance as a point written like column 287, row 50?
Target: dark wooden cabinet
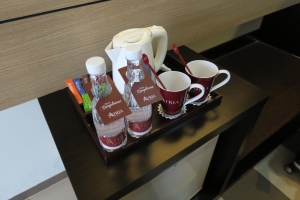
column 92, row 178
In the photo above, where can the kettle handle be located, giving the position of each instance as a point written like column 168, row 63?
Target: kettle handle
column 160, row 34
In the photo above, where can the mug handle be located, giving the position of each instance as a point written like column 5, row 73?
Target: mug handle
column 221, row 71
column 195, row 85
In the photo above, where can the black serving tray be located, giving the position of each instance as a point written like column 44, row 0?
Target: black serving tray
column 160, row 124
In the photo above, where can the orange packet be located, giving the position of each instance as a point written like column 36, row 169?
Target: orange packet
column 74, row 90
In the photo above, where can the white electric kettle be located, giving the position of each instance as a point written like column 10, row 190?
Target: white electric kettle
column 138, row 36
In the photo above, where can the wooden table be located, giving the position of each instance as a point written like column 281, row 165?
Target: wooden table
column 91, row 178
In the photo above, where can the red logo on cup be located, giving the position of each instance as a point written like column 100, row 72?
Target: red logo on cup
column 174, row 96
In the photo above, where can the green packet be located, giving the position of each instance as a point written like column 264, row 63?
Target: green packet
column 87, row 103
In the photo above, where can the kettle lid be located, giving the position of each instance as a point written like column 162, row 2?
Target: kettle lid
column 137, row 36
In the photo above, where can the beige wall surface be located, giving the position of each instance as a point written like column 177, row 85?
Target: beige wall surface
column 38, row 53
column 224, row 36
column 10, row 9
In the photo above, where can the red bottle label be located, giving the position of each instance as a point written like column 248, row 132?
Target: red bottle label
column 114, row 141
column 140, row 126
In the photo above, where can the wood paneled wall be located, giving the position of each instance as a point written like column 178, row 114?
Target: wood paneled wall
column 38, row 52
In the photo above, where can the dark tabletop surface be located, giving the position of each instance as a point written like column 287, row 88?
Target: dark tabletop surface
column 276, row 72
column 92, row 178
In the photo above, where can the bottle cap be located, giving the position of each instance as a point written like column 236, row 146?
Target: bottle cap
column 95, row 65
column 133, row 52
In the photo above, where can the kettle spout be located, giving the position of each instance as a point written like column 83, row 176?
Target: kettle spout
column 117, row 56
column 112, row 53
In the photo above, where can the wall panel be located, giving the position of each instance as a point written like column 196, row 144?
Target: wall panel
column 10, row 9
column 37, row 54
